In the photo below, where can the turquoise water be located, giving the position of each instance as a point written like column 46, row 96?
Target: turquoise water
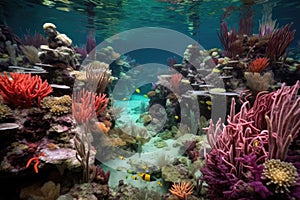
column 198, row 19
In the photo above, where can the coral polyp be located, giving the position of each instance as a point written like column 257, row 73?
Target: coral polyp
column 282, row 174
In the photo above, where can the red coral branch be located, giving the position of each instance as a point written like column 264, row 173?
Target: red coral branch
column 258, row 65
column 86, row 105
column 279, row 41
column 23, row 90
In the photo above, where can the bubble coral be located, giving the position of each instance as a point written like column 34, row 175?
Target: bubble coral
column 283, row 174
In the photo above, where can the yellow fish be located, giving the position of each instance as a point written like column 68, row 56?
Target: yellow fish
column 208, row 108
column 208, row 103
column 176, row 117
column 146, row 177
column 144, row 167
column 5, row 55
column 159, row 183
column 255, row 143
column 215, row 70
column 137, row 90
column 146, row 96
column 124, row 99
column 121, row 157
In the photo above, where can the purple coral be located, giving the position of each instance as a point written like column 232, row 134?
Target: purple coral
column 234, row 166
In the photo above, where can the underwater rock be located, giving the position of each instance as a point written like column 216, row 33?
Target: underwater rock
column 90, row 191
column 160, row 144
column 174, row 174
column 48, row 191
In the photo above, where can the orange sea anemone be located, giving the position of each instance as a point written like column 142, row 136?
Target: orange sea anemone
column 258, row 65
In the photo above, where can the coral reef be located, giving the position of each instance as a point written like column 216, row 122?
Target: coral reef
column 240, row 151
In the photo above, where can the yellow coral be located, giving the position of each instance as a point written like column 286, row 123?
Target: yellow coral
column 57, row 105
column 59, row 110
column 282, row 174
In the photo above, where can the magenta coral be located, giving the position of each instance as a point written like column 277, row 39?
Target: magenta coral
column 233, row 168
column 23, row 90
column 284, row 121
column 230, row 146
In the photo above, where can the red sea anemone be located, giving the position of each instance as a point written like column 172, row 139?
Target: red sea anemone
column 23, row 90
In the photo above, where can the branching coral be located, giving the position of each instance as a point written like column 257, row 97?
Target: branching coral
column 283, row 122
column 279, row 41
column 224, row 164
column 98, row 76
column 86, row 105
column 282, row 174
column 23, row 90
column 229, row 40
column 240, row 149
column 182, row 190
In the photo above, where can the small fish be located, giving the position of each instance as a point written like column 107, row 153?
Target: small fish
column 255, row 143
column 208, row 103
column 146, row 177
column 208, row 107
column 146, row 96
column 138, row 90
column 5, row 55
column 215, row 70
column 159, row 183
column 121, row 157
column 124, row 99
column 134, row 177
column 176, row 117
column 145, row 167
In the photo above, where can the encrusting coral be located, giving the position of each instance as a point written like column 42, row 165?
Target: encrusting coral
column 57, row 105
